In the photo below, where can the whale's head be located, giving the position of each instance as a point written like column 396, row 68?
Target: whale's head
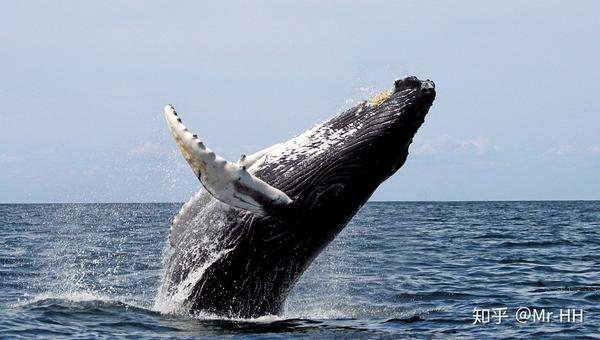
column 343, row 160
column 331, row 170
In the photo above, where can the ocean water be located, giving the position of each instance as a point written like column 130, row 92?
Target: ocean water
column 418, row 270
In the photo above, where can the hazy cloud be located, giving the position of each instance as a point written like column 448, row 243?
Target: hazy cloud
column 422, row 147
column 595, row 149
column 478, row 145
column 569, row 151
column 445, row 144
column 5, row 158
column 146, row 149
column 559, row 152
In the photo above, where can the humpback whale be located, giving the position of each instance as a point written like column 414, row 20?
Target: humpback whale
column 239, row 246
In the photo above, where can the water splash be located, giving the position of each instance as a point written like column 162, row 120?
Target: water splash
column 191, row 259
column 174, row 302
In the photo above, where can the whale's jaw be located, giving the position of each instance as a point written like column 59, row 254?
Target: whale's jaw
column 233, row 263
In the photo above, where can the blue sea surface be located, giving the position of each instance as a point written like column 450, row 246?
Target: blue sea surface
column 400, row 269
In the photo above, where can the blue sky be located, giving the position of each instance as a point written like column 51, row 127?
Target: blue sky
column 84, row 83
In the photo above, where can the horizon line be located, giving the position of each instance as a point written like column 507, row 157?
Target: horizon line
column 370, row 201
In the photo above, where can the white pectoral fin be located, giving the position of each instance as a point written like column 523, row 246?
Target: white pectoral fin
column 227, row 182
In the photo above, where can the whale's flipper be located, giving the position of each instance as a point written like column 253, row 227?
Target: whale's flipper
column 228, row 182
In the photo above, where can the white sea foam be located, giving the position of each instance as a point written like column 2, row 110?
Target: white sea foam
column 175, row 302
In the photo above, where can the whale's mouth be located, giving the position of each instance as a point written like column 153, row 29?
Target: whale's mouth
column 409, row 104
column 427, row 86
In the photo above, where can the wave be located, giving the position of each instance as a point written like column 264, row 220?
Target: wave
column 80, row 302
column 82, row 297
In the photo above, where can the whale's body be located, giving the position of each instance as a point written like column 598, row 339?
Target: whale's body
column 237, row 263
